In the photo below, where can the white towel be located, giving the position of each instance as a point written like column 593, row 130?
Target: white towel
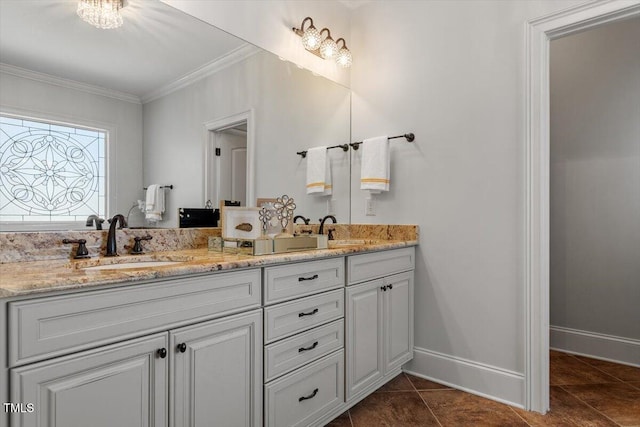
column 376, row 169
column 154, row 203
column 318, row 172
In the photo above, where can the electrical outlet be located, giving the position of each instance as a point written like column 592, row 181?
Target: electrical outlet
column 370, row 207
column 331, row 206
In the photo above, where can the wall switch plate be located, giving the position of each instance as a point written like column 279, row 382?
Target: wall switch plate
column 370, row 207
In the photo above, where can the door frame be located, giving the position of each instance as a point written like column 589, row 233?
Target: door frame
column 538, row 35
column 223, row 123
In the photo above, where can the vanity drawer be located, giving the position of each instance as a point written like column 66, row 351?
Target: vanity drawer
column 379, row 264
column 288, row 318
column 47, row 327
column 291, row 353
column 302, row 397
column 295, row 280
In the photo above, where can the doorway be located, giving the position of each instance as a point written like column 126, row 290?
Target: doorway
column 539, row 33
column 595, row 193
column 230, row 159
column 231, row 164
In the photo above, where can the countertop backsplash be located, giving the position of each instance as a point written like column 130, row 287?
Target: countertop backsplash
column 42, row 246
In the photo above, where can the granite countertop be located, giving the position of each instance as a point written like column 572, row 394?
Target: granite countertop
column 36, row 277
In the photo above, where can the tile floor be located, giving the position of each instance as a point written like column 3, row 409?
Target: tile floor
column 584, row 393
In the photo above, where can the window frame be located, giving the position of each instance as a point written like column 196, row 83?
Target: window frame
column 79, row 122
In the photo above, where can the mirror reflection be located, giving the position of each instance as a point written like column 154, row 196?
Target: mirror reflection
column 168, row 92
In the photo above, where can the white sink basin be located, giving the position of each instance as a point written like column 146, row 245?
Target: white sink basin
column 138, row 264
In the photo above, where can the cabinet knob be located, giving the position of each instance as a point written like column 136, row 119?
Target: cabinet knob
column 390, row 286
column 311, row 396
column 182, row 347
column 384, row 288
column 162, row 353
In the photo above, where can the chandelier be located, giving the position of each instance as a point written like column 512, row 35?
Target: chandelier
column 103, row 14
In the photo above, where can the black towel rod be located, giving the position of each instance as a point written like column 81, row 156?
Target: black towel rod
column 170, row 187
column 345, row 147
column 408, row 136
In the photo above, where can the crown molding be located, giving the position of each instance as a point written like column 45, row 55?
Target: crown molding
column 67, row 83
column 243, row 52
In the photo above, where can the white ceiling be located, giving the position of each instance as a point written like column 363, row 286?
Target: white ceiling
column 156, row 45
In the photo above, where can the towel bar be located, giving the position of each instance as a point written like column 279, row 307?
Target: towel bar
column 408, row 136
column 345, row 147
column 170, row 187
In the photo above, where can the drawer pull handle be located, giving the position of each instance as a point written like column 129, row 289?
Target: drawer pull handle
column 182, row 347
column 302, row 279
column 390, row 286
column 311, row 396
column 384, row 288
column 162, row 353
column 311, row 347
column 315, row 310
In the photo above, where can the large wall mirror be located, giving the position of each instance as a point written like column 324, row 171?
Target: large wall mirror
column 154, row 102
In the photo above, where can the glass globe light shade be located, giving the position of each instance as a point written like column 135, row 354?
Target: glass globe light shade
column 328, row 48
column 311, row 38
column 344, row 58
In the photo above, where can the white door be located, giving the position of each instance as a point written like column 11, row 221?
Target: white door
column 398, row 320
column 117, row 385
column 216, row 373
column 364, row 311
column 232, row 165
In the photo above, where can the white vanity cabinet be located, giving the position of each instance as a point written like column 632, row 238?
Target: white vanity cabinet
column 304, row 342
column 379, row 319
column 216, row 373
column 292, row 344
column 124, row 384
column 207, row 370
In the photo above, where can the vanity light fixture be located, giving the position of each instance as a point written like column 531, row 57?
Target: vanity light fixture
column 344, row 58
column 311, row 37
column 325, row 48
column 328, row 48
column 104, row 14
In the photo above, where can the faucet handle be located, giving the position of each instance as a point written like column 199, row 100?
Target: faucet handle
column 137, row 246
column 82, row 251
column 330, row 233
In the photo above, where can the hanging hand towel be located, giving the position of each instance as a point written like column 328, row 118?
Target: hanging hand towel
column 154, row 203
column 318, row 171
column 376, row 169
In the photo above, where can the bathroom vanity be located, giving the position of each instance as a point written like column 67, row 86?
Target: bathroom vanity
column 291, row 339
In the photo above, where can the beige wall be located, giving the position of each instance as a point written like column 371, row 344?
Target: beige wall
column 453, row 73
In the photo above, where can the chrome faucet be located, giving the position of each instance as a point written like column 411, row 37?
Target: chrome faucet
column 91, row 219
column 111, row 237
column 322, row 220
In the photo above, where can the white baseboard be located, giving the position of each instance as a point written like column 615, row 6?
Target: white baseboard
column 598, row 346
column 477, row 378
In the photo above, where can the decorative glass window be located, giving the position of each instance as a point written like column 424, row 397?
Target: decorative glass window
column 50, row 172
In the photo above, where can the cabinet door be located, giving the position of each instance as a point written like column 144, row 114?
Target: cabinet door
column 118, row 385
column 364, row 336
column 398, row 320
column 217, row 379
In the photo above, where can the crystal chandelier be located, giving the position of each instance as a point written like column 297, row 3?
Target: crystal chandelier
column 103, row 14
